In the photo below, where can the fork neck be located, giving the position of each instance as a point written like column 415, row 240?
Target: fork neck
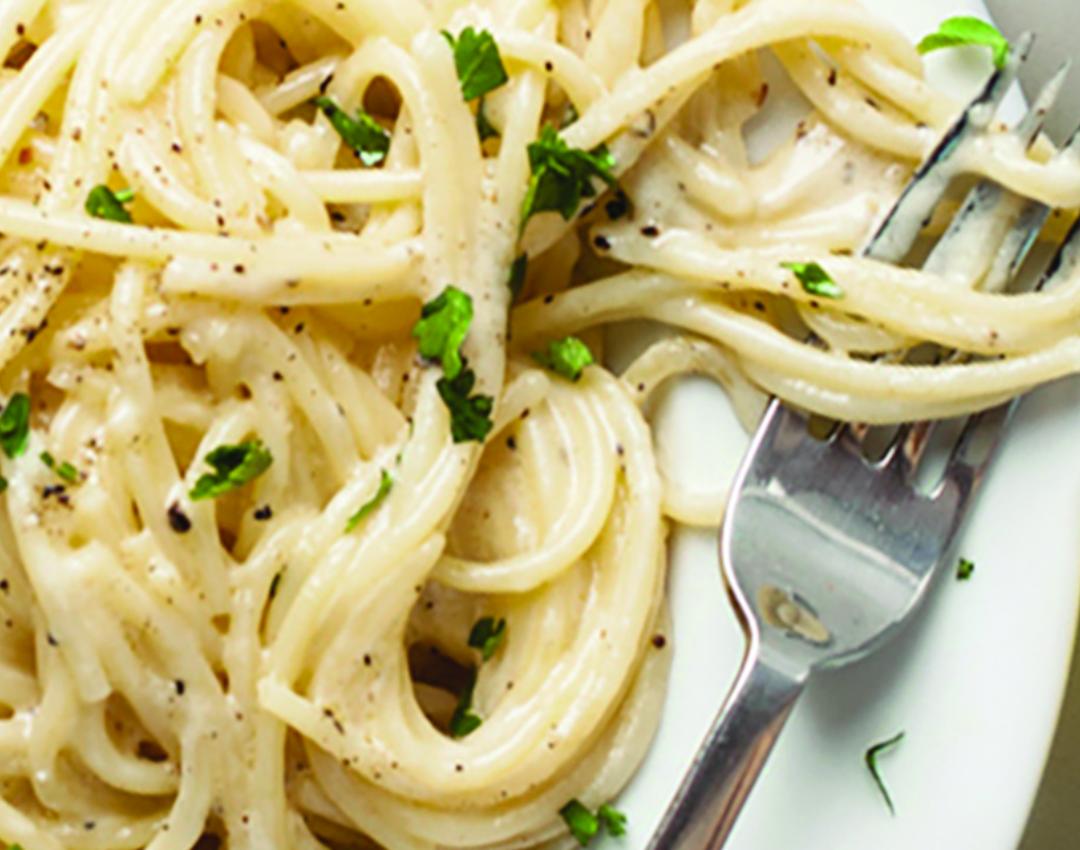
column 707, row 806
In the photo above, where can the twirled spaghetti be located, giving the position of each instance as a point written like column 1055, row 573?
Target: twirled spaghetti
column 288, row 665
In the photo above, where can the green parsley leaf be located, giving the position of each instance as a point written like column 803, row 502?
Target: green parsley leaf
column 518, row 271
column 961, row 31
column 15, row 426
column 965, row 569
column 465, row 721
column 234, row 466
column 484, row 128
column 366, row 136
column 815, row 279
column 479, row 66
column 613, row 820
column 470, row 415
column 65, row 470
column 872, row 763
column 444, row 324
column 567, row 357
column 562, row 175
column 487, row 636
column 3, row 484
column 386, row 484
column 102, row 202
column 584, row 825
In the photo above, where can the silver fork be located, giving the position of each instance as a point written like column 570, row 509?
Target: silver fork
column 826, row 553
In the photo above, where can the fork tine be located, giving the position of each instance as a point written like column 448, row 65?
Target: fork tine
column 907, row 448
column 1065, row 260
column 1072, row 145
column 987, row 207
column 1033, row 122
column 974, row 451
column 900, row 230
column 909, row 444
column 1016, row 246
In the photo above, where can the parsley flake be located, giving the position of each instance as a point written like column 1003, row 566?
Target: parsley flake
column 479, row 66
column 872, row 764
column 464, row 720
column 234, row 466
column 15, row 426
column 103, row 202
column 566, row 357
column 562, row 175
column 613, row 820
column 487, row 636
column 470, row 415
column 965, row 569
column 963, row 31
column 367, row 137
column 3, row 484
column 444, row 324
column 65, row 470
column 815, row 280
column 386, row 484
column 584, row 825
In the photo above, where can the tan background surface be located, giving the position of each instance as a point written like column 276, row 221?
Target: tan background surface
column 1055, row 821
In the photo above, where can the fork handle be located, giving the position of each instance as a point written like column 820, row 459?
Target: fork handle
column 724, row 771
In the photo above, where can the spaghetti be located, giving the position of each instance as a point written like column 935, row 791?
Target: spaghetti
column 247, row 533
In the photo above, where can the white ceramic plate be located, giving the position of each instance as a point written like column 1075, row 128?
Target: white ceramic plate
column 976, row 683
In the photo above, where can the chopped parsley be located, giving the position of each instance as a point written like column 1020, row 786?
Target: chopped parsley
column 470, row 415
column 585, row 826
column 613, row 820
column 386, row 484
column 479, row 66
column 872, row 764
column 367, row 137
column 965, row 569
column 64, row 470
column 963, row 31
column 464, row 720
column 103, row 202
column 15, row 425
column 3, row 484
column 562, row 175
column 815, row 280
column 566, row 357
column 518, row 271
column 487, row 636
column 234, row 466
column 444, row 324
